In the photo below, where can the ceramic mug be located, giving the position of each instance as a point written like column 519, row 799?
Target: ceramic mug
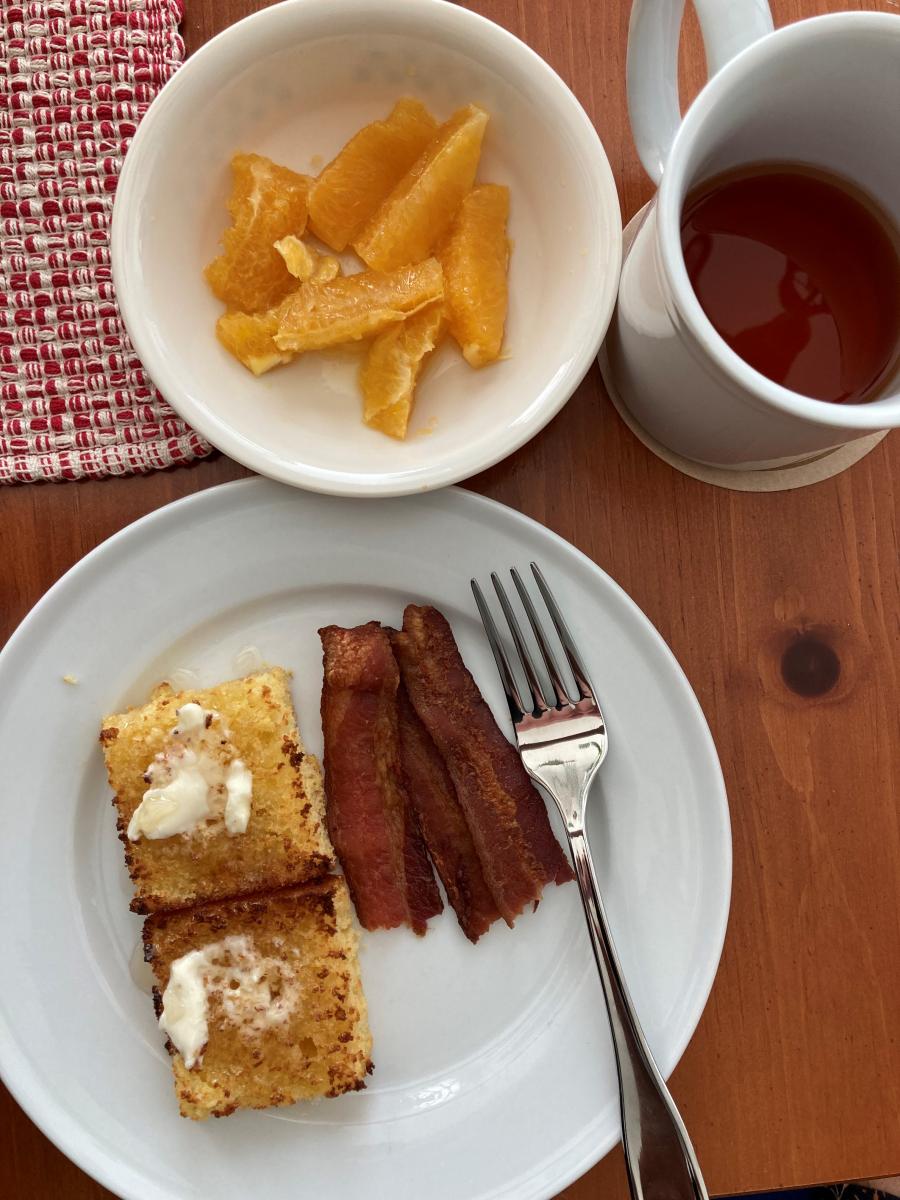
column 824, row 92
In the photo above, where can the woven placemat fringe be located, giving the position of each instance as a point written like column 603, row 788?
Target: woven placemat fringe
column 76, row 76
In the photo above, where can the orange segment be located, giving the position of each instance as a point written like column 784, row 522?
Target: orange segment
column 354, row 183
column 423, row 204
column 326, row 269
column 250, row 337
column 388, row 376
column 267, row 202
column 475, row 257
column 304, row 262
column 352, row 307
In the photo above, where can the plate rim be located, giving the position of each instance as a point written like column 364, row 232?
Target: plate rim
column 333, row 481
column 37, row 1100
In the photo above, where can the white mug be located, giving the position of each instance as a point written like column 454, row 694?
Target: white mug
column 823, row 92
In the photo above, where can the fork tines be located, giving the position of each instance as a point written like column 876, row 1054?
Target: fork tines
column 537, row 698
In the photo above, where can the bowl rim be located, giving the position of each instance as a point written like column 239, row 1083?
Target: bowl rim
column 126, row 270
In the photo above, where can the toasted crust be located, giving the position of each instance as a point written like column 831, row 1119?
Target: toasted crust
column 323, row 1049
column 286, row 841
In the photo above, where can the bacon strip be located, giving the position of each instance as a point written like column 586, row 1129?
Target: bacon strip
column 443, row 824
column 372, row 824
column 506, row 816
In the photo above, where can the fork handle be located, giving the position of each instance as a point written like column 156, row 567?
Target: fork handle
column 659, row 1157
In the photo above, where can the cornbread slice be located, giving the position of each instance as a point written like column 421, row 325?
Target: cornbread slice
column 285, row 841
column 320, row 1047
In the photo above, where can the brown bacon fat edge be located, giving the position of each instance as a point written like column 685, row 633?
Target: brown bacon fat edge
column 372, row 825
column 505, row 815
column 443, row 824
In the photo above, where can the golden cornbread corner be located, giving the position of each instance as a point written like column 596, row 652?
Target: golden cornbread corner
column 320, row 1047
column 285, row 841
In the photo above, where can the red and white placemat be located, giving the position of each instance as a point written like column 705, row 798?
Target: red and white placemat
column 76, row 76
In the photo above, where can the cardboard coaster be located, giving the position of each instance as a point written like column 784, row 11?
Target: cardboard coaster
column 769, row 479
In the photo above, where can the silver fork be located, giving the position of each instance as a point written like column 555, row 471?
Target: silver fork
column 563, row 741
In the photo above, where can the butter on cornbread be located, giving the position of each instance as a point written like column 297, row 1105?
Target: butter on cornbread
column 277, row 996
column 250, row 740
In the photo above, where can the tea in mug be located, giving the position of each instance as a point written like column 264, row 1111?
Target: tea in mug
column 799, row 272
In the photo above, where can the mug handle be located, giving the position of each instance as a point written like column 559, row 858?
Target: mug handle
column 728, row 26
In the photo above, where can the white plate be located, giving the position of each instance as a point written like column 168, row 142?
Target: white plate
column 494, row 1073
column 295, row 81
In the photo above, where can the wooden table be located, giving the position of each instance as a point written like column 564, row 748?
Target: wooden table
column 793, row 1076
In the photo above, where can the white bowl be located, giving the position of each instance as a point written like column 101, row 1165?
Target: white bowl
column 294, row 82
